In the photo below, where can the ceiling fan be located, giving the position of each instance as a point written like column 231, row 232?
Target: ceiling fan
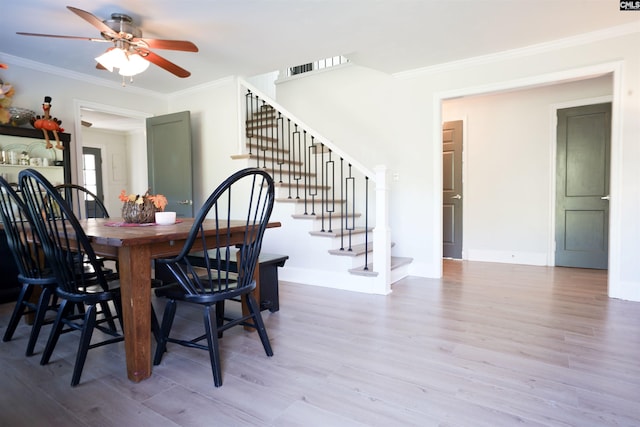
column 128, row 44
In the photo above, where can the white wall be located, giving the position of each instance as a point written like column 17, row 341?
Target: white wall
column 395, row 120
column 265, row 83
column 508, row 168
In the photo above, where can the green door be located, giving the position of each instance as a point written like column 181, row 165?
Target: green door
column 582, row 186
column 169, row 161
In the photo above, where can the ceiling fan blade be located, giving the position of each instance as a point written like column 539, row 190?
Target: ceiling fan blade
column 182, row 45
column 62, row 37
column 93, row 20
column 163, row 63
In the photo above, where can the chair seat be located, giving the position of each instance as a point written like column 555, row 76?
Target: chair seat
column 176, row 292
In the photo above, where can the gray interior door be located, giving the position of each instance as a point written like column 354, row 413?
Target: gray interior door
column 452, row 189
column 169, row 158
column 582, row 186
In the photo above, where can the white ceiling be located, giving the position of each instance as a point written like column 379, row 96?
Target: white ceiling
column 251, row 37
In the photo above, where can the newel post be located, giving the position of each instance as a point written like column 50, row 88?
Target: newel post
column 382, row 234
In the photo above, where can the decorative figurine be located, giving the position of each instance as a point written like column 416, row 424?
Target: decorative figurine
column 6, row 92
column 47, row 123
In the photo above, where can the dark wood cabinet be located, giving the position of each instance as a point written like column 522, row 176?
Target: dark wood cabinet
column 17, row 139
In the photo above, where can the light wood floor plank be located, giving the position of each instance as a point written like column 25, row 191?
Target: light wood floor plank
column 486, row 345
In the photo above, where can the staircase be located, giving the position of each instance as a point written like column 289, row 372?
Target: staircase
column 335, row 208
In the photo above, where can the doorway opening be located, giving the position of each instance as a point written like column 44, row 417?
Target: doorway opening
column 92, row 174
column 452, row 190
column 472, row 187
column 120, row 135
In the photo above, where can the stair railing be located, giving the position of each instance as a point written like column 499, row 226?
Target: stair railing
column 315, row 171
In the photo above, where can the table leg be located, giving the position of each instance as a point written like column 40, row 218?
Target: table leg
column 134, row 267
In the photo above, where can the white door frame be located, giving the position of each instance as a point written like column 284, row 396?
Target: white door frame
column 140, row 148
column 614, row 68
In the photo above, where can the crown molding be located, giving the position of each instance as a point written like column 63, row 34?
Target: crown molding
column 582, row 39
column 63, row 72
column 201, row 87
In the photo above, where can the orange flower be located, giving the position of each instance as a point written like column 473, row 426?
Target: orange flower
column 158, row 200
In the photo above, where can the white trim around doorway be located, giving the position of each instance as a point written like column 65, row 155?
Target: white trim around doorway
column 613, row 68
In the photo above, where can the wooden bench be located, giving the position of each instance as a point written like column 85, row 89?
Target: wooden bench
column 266, row 277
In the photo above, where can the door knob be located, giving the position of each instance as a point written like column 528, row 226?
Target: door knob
column 607, row 197
column 185, row 202
column 457, row 196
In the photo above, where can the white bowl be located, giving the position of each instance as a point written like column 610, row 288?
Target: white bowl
column 165, row 218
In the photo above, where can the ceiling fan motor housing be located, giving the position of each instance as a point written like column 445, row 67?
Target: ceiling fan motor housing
column 123, row 25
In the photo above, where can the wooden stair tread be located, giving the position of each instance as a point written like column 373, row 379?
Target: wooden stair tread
column 262, row 126
column 248, row 156
column 283, row 170
column 263, row 116
column 318, row 216
column 356, row 250
column 263, row 138
column 308, row 200
column 293, row 184
column 358, row 230
column 396, row 262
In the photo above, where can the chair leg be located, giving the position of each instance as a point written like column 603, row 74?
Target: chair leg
column 167, row 322
column 83, row 347
column 155, row 326
column 106, row 312
column 211, row 331
column 43, row 305
column 18, row 311
column 63, row 311
column 117, row 303
column 254, row 309
column 220, row 316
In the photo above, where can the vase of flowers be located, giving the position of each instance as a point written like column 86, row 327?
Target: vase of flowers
column 139, row 209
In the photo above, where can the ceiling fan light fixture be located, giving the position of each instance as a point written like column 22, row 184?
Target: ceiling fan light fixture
column 134, row 64
column 112, row 58
column 127, row 63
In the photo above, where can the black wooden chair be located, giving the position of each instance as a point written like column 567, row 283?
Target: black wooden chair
column 248, row 196
column 80, row 277
column 85, row 204
column 29, row 260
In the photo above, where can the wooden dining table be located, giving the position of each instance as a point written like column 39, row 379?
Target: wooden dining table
column 135, row 248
